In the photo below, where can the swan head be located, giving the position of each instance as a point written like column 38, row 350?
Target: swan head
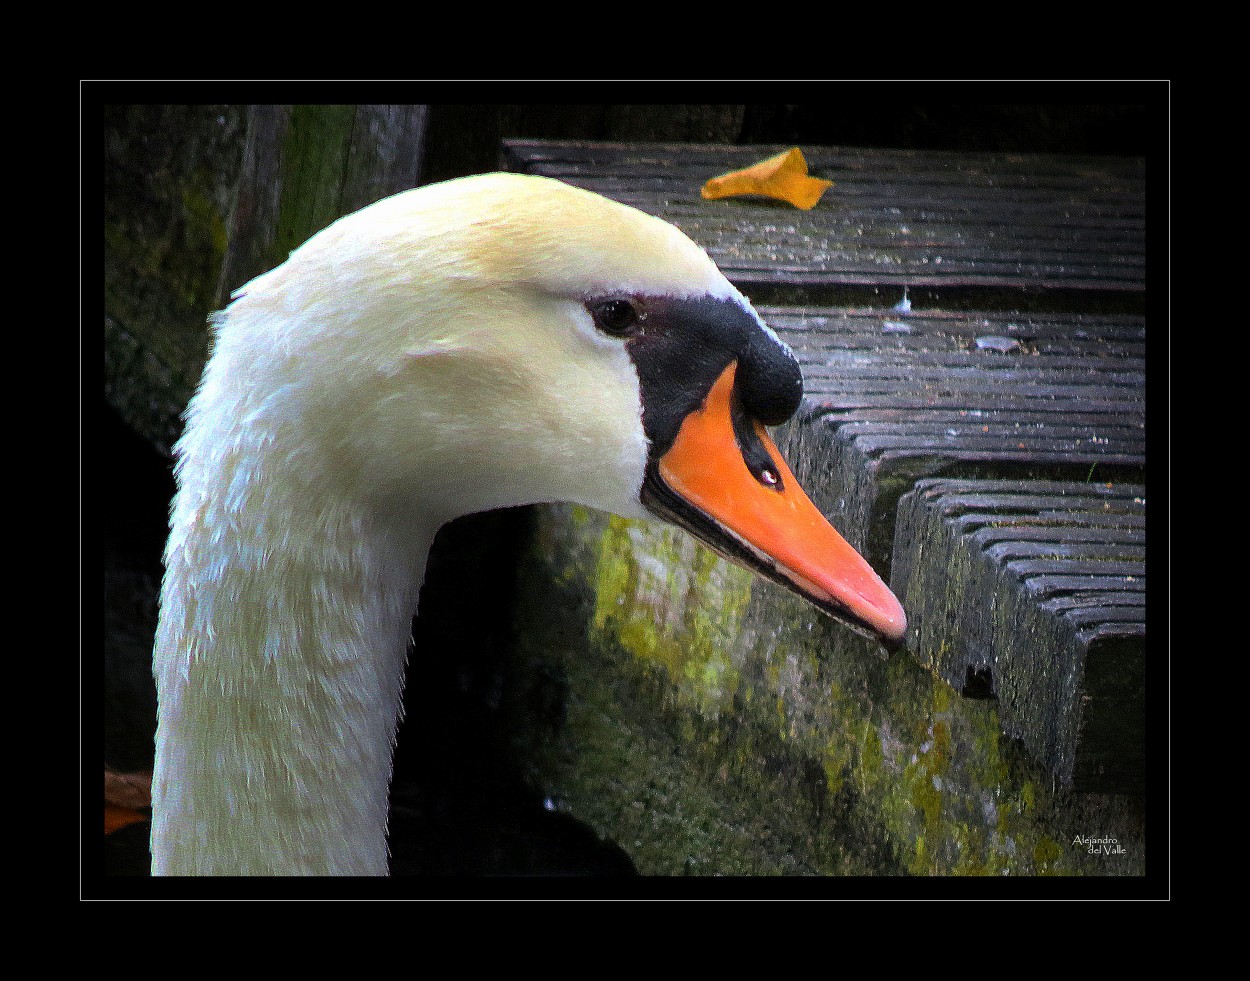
column 506, row 339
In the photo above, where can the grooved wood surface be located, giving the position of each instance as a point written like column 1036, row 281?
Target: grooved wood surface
column 1044, row 584
column 893, row 217
column 1002, row 397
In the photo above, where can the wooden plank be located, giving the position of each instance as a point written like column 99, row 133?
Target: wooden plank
column 893, row 395
column 896, row 394
column 188, row 226
column 893, row 217
column 1057, row 630
column 304, row 167
column 883, row 407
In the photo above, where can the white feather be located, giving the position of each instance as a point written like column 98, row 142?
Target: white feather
column 427, row 357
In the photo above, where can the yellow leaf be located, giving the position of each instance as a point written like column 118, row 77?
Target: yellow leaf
column 783, row 177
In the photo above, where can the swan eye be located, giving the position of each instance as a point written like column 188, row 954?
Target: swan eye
column 617, row 318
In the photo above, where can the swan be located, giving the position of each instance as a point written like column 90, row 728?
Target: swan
column 489, row 341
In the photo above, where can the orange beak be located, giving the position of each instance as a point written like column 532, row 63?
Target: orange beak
column 762, row 518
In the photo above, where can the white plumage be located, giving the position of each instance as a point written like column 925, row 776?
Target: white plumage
column 432, row 355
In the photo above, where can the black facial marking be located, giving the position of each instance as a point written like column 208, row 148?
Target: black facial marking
column 680, row 350
column 770, row 382
column 682, row 346
column 757, row 458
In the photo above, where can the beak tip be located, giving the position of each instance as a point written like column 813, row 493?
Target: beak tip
column 872, row 605
column 891, row 624
column 898, row 618
column 897, row 630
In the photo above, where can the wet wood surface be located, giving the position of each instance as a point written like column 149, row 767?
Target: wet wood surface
column 1044, row 585
column 902, row 390
column 892, row 218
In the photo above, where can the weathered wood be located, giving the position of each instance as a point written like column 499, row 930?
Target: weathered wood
column 728, row 744
column 1065, row 398
column 894, row 394
column 893, row 217
column 711, row 723
column 884, row 406
column 169, row 174
column 1056, row 627
column 192, row 217
column 304, row 167
column 254, row 219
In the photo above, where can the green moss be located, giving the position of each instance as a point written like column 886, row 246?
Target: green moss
column 749, row 736
column 919, row 864
column 1026, row 797
column 838, row 758
column 673, row 604
column 314, row 160
column 617, row 573
column 206, row 236
column 871, row 758
column 987, row 766
column 1046, row 854
column 925, row 796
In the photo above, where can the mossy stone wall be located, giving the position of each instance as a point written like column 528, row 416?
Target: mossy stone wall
column 710, row 723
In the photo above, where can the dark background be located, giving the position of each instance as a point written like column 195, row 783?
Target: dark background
column 464, row 139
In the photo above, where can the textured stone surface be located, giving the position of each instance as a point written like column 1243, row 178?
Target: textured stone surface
column 709, row 723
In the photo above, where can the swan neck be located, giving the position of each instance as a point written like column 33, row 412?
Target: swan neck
column 280, row 659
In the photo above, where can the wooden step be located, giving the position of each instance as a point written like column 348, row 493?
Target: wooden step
column 896, row 393
column 893, row 397
column 892, row 218
column 1044, row 585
